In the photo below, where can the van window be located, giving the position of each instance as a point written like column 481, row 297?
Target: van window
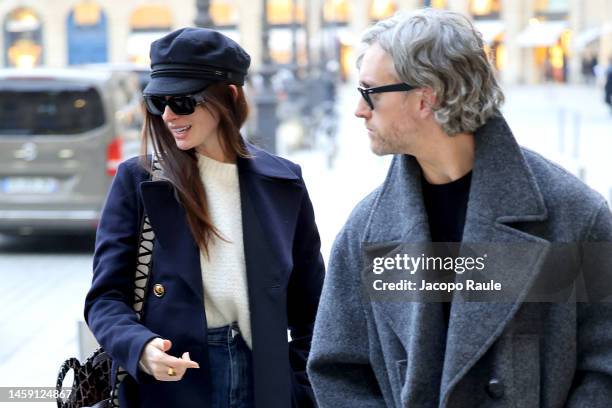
column 50, row 112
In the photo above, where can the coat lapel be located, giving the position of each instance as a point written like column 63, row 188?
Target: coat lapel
column 173, row 238
column 268, row 207
column 270, row 198
column 503, row 194
column 400, row 217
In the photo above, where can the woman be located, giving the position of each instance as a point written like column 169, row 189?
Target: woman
column 237, row 257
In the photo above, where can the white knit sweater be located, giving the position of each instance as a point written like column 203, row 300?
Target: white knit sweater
column 223, row 271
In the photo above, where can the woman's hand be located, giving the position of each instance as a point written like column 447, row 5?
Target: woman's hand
column 162, row 366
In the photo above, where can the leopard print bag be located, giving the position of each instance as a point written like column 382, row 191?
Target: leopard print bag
column 93, row 385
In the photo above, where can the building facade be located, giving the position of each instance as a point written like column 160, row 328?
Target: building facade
column 529, row 41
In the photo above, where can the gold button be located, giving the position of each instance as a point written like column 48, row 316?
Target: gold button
column 159, row 290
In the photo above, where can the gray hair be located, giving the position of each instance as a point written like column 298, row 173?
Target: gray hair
column 441, row 50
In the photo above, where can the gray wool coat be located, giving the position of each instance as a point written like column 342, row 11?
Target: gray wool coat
column 368, row 353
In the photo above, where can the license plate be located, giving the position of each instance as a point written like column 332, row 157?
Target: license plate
column 30, row 185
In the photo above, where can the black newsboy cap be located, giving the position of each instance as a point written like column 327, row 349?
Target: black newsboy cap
column 189, row 59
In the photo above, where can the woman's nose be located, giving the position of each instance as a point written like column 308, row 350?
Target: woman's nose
column 168, row 114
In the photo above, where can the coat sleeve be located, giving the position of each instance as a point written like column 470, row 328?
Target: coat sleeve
column 592, row 385
column 108, row 305
column 303, row 295
column 339, row 365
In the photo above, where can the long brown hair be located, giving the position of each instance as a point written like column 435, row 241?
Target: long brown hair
column 180, row 167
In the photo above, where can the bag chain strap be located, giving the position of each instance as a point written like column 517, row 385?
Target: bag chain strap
column 141, row 279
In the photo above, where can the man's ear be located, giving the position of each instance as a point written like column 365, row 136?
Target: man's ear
column 427, row 102
column 234, row 91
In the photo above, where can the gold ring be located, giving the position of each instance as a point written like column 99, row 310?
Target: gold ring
column 171, row 372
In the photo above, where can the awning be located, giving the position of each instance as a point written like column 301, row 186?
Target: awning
column 586, row 37
column 489, row 29
column 541, row 34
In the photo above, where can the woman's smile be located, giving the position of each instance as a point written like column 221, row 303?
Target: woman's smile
column 179, row 132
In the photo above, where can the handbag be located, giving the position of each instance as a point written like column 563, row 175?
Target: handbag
column 93, row 384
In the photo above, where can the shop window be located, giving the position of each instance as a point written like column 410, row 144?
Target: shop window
column 485, row 8
column 381, row 9
column 224, row 13
column 336, row 11
column 280, row 12
column 551, row 9
column 23, row 38
column 551, row 6
column 438, row 4
column 286, row 18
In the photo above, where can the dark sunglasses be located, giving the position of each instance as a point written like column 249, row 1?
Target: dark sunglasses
column 181, row 105
column 366, row 92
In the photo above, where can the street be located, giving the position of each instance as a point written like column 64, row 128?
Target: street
column 45, row 280
column 44, row 285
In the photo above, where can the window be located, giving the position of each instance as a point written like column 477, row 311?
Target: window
column 337, row 11
column 551, row 6
column 281, row 12
column 224, row 13
column 381, row 9
column 438, row 4
column 485, row 7
column 50, row 112
column 23, row 38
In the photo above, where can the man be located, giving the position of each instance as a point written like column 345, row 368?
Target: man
column 429, row 97
column 608, row 86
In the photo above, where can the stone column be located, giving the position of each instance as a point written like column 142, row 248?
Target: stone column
column 577, row 24
column 249, row 26
column 605, row 49
column 460, row 6
column 404, row 5
column 512, row 15
column 55, row 33
column 314, row 16
column 118, row 16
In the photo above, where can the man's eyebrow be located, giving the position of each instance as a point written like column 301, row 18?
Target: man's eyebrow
column 364, row 84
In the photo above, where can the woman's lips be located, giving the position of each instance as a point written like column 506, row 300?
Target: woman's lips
column 180, row 132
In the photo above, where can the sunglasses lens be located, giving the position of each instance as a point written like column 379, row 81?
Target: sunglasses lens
column 182, row 105
column 368, row 101
column 155, row 105
column 366, row 97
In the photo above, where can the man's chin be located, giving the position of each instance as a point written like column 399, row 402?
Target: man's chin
column 377, row 149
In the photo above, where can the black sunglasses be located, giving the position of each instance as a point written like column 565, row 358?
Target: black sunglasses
column 366, row 92
column 181, row 105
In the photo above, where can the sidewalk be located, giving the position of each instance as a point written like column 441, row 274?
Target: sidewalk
column 569, row 124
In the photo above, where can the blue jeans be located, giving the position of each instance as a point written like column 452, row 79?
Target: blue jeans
column 231, row 368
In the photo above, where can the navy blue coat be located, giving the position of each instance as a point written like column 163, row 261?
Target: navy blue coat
column 284, row 276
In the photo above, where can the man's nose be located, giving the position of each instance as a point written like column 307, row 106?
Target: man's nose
column 363, row 110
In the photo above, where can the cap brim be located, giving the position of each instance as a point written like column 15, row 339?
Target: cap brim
column 175, row 86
